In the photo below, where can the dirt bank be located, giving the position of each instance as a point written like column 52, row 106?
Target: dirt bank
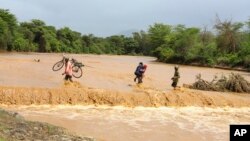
column 74, row 93
column 13, row 127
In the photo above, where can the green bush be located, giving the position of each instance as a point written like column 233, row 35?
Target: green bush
column 246, row 61
column 201, row 54
column 210, row 62
column 229, row 60
column 95, row 49
column 164, row 53
column 21, row 44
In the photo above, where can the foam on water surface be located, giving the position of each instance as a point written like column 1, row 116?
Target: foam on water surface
column 211, row 122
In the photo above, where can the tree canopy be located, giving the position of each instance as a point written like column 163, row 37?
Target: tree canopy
column 228, row 44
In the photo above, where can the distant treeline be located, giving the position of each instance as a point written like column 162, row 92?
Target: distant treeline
column 228, row 46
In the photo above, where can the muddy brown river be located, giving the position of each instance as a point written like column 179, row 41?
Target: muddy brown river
column 118, row 122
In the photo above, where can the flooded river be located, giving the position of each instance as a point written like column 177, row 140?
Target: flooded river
column 140, row 123
column 195, row 122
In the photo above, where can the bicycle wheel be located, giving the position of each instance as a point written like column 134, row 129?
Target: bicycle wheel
column 58, row 66
column 77, row 71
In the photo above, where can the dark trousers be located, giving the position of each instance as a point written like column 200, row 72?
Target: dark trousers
column 68, row 77
column 174, row 84
column 139, row 77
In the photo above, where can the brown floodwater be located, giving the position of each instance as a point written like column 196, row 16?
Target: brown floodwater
column 101, row 71
column 119, row 123
column 140, row 123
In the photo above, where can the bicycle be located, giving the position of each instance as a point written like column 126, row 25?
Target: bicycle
column 77, row 67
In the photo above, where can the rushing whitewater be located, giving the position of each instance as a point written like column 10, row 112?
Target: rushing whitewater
column 106, row 104
column 140, row 123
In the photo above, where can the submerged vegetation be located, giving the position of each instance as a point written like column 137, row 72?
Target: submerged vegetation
column 232, row 83
column 228, row 46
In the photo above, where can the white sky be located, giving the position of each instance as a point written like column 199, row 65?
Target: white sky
column 108, row 17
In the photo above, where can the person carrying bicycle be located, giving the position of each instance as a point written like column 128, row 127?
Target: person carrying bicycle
column 68, row 70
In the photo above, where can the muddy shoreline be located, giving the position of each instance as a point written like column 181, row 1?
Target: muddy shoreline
column 14, row 127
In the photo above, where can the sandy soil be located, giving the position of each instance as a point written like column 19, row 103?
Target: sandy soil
column 108, row 80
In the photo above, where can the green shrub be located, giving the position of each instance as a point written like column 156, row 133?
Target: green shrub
column 164, row 53
column 229, row 60
column 21, row 44
column 246, row 61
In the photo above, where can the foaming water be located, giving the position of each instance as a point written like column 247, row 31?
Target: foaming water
column 140, row 123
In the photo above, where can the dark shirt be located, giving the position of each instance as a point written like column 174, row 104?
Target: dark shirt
column 139, row 70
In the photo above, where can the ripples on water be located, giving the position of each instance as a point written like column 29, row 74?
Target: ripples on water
column 213, row 121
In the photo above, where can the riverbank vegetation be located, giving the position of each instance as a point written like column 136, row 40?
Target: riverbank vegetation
column 227, row 45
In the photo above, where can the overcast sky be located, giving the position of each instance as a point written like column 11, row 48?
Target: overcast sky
column 108, row 17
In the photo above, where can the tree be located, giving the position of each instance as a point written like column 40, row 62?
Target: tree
column 8, row 25
column 3, row 34
column 87, row 41
column 143, row 40
column 21, row 44
column 182, row 40
column 228, row 35
column 244, row 50
column 164, row 53
column 157, row 34
column 35, row 33
column 116, row 44
column 71, row 39
column 206, row 36
column 130, row 46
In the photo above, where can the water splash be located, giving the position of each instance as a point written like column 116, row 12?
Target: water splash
column 203, row 123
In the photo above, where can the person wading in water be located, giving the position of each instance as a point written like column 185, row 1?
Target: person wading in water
column 68, row 70
column 139, row 72
column 176, row 77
